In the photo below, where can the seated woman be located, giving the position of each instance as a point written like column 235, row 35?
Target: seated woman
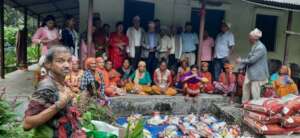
column 114, row 77
column 183, row 69
column 163, row 80
column 204, row 73
column 125, row 72
column 284, row 85
column 192, row 82
column 140, row 81
column 73, row 79
column 227, row 82
column 92, row 81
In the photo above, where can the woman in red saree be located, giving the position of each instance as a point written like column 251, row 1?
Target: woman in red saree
column 117, row 46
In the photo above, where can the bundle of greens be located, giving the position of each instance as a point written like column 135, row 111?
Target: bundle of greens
column 137, row 131
column 9, row 126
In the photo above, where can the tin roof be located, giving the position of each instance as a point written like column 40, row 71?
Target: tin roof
column 57, row 8
column 289, row 5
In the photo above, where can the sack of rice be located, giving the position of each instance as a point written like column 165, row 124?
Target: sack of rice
column 262, row 118
column 291, row 107
column 291, row 122
column 267, row 106
column 270, row 129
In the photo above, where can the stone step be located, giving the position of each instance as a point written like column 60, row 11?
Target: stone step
column 126, row 105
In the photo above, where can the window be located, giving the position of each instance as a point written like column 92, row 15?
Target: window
column 268, row 25
column 213, row 20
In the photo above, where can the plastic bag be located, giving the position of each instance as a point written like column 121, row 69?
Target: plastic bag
column 100, row 134
column 102, row 126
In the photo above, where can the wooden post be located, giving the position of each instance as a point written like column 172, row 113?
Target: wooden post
column 288, row 28
column 2, row 59
column 90, row 27
column 201, row 31
column 25, row 31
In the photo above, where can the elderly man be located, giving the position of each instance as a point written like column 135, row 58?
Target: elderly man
column 256, row 64
column 135, row 35
column 189, row 41
column 223, row 48
column 50, row 108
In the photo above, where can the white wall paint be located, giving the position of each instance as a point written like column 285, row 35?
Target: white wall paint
column 111, row 11
column 177, row 12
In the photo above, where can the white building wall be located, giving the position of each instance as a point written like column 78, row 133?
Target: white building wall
column 177, row 12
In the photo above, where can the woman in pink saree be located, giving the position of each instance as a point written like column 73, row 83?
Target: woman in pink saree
column 47, row 35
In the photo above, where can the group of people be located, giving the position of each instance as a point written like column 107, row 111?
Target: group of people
column 160, row 61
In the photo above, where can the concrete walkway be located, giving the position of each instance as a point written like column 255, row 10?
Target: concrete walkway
column 19, row 84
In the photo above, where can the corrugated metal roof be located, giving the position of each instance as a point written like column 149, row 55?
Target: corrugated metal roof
column 289, row 5
column 57, row 8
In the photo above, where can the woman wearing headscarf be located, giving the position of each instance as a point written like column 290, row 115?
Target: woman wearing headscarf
column 47, row 35
column 183, row 69
column 284, row 85
column 140, row 81
column 117, row 46
column 207, row 86
column 92, row 81
column 256, row 64
column 227, row 81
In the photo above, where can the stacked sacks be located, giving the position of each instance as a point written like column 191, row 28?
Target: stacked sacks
column 271, row 116
column 264, row 116
column 291, row 114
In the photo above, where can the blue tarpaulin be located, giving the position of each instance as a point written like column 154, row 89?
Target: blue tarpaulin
column 154, row 130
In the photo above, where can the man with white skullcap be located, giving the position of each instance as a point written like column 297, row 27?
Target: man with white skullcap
column 135, row 35
column 150, row 45
column 223, row 48
column 256, row 64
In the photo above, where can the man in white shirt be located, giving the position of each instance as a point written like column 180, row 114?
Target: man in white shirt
column 176, row 47
column 165, row 44
column 135, row 35
column 223, row 49
column 189, row 43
